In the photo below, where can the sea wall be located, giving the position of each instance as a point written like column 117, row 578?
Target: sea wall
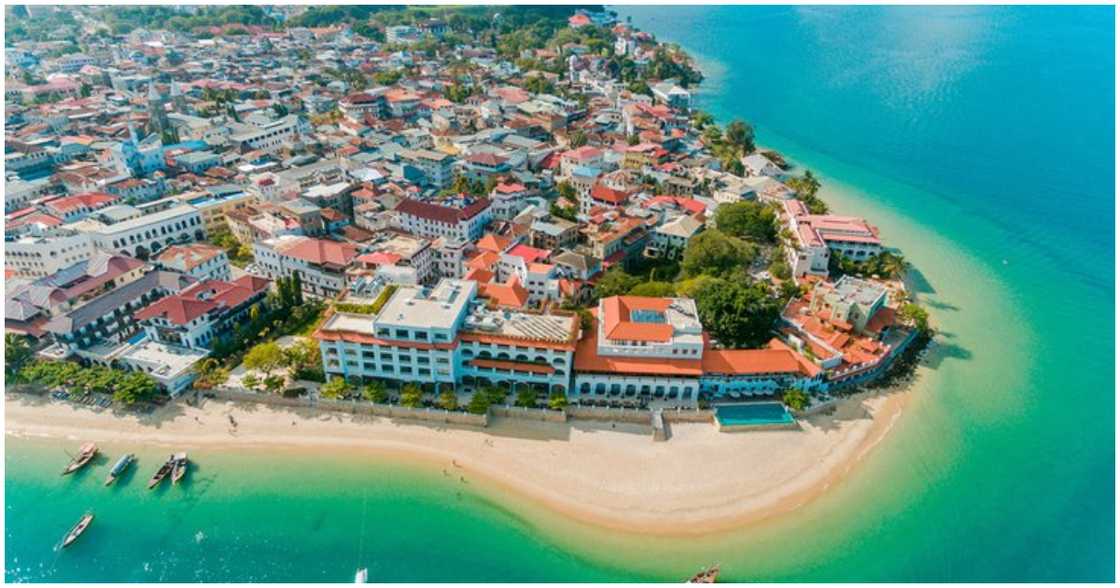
column 385, row 410
column 639, row 415
column 622, row 415
column 532, row 414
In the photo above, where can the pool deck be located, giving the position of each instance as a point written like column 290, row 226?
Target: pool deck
column 761, row 425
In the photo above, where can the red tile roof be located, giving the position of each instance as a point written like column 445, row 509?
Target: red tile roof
column 69, row 204
column 604, row 194
column 203, row 297
column 511, row 294
column 440, row 213
column 529, row 254
column 322, row 252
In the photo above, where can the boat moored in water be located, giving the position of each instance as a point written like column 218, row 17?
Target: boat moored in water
column 706, row 576
column 162, row 472
column 119, row 468
column 78, row 529
column 85, row 455
column 180, row 467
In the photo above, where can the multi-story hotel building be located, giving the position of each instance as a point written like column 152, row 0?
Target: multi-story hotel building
column 446, row 335
column 322, row 264
column 463, row 219
column 652, row 348
column 817, row 236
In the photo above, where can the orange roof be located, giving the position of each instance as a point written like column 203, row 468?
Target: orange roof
column 484, row 260
column 492, row 242
column 778, row 359
column 587, row 359
column 512, row 293
column 191, row 255
column 479, row 275
column 617, row 323
column 322, row 251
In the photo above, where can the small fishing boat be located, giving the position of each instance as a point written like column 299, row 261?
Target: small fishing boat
column 361, row 576
column 78, row 529
column 180, row 468
column 706, row 576
column 119, row 468
column 162, row 472
column 85, row 454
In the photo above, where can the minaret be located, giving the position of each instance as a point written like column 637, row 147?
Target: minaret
column 177, row 97
column 157, row 115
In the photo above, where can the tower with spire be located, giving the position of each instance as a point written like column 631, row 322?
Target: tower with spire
column 157, row 113
column 177, row 97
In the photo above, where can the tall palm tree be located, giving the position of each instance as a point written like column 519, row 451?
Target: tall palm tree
column 893, row 264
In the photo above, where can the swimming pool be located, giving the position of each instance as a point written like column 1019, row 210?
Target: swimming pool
column 753, row 414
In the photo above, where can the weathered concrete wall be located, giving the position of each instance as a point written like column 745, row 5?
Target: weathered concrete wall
column 532, row 414
column 353, row 407
column 622, row 415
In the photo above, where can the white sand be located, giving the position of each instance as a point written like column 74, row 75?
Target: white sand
column 619, row 477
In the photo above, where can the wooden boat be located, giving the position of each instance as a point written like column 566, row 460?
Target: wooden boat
column 119, row 468
column 85, row 454
column 706, row 576
column 78, row 529
column 162, row 472
column 362, row 576
column 180, row 467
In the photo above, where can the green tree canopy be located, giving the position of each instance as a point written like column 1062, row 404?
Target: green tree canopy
column 134, row 387
column 615, row 282
column 479, row 403
column 716, row 254
column 265, row 357
column 657, row 289
column 737, row 314
column 447, row 400
column 375, row 392
column 337, row 387
column 740, row 135
column 16, row 352
column 412, row 396
column 795, row 399
column 753, row 221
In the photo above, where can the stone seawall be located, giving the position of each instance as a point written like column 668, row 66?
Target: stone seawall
column 397, row 412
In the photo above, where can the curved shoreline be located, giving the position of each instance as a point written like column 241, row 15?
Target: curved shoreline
column 660, row 488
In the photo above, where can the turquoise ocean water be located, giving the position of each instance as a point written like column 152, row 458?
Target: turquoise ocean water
column 980, row 139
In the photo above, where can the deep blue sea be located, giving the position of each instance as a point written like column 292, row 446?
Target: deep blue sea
column 980, row 140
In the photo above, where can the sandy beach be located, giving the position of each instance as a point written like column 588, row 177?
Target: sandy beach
column 613, row 476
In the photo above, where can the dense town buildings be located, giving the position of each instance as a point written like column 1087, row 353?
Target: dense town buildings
column 157, row 190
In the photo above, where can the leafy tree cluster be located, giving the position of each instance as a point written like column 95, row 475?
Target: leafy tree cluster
column 565, row 213
column 753, row 221
column 128, row 388
column 796, row 399
column 886, row 264
column 728, row 145
column 737, row 314
column 123, row 19
column 916, row 316
column 714, row 253
column 806, row 187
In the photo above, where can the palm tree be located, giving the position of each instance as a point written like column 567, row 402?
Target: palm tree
column 893, row 264
column 16, row 352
